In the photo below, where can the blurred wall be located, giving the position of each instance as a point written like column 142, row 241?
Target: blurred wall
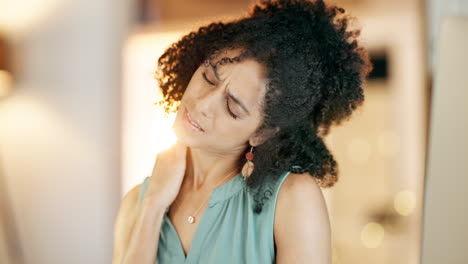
column 445, row 233
column 436, row 11
column 60, row 133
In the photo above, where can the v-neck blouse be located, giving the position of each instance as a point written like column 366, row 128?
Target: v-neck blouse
column 228, row 232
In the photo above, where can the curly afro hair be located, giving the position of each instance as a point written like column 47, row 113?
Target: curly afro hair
column 315, row 70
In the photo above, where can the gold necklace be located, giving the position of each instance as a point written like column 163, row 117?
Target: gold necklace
column 191, row 218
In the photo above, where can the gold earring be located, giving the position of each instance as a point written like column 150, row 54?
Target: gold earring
column 249, row 165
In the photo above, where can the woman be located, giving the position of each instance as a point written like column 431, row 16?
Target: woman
column 242, row 184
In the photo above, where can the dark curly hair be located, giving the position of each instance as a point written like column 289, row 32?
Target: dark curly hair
column 315, row 70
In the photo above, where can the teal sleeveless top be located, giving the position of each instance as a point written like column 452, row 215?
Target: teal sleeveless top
column 229, row 231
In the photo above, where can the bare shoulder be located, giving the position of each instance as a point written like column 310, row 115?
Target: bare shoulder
column 302, row 226
column 124, row 222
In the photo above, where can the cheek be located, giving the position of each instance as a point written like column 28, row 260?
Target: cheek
column 191, row 87
column 195, row 82
column 240, row 130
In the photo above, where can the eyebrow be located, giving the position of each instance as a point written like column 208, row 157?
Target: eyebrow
column 235, row 99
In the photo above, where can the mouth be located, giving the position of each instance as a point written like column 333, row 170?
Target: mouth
column 193, row 124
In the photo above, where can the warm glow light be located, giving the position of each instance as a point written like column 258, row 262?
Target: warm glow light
column 18, row 16
column 162, row 131
column 372, row 235
column 6, row 83
column 405, row 202
column 145, row 129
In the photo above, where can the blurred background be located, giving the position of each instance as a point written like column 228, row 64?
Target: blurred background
column 79, row 128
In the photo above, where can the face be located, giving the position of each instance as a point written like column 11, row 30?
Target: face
column 224, row 101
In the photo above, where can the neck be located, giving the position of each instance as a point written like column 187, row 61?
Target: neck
column 208, row 170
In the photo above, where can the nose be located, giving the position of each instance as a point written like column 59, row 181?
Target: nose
column 206, row 102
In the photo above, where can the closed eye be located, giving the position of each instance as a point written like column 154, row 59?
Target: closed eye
column 206, row 79
column 229, row 110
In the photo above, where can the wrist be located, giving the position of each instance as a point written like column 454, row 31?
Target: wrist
column 154, row 203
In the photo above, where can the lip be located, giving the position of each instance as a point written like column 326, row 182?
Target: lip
column 188, row 121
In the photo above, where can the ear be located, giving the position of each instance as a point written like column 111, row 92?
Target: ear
column 258, row 139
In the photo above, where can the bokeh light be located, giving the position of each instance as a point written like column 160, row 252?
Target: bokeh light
column 372, row 235
column 405, row 202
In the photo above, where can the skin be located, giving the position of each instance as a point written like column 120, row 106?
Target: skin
column 301, row 224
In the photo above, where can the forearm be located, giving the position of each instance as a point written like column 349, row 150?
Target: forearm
column 143, row 244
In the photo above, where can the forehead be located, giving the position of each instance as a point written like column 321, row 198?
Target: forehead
column 245, row 79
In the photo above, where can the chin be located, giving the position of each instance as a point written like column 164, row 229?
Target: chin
column 187, row 137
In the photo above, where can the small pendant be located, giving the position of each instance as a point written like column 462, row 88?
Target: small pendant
column 191, row 219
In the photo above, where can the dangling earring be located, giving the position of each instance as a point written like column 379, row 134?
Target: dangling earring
column 249, row 165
